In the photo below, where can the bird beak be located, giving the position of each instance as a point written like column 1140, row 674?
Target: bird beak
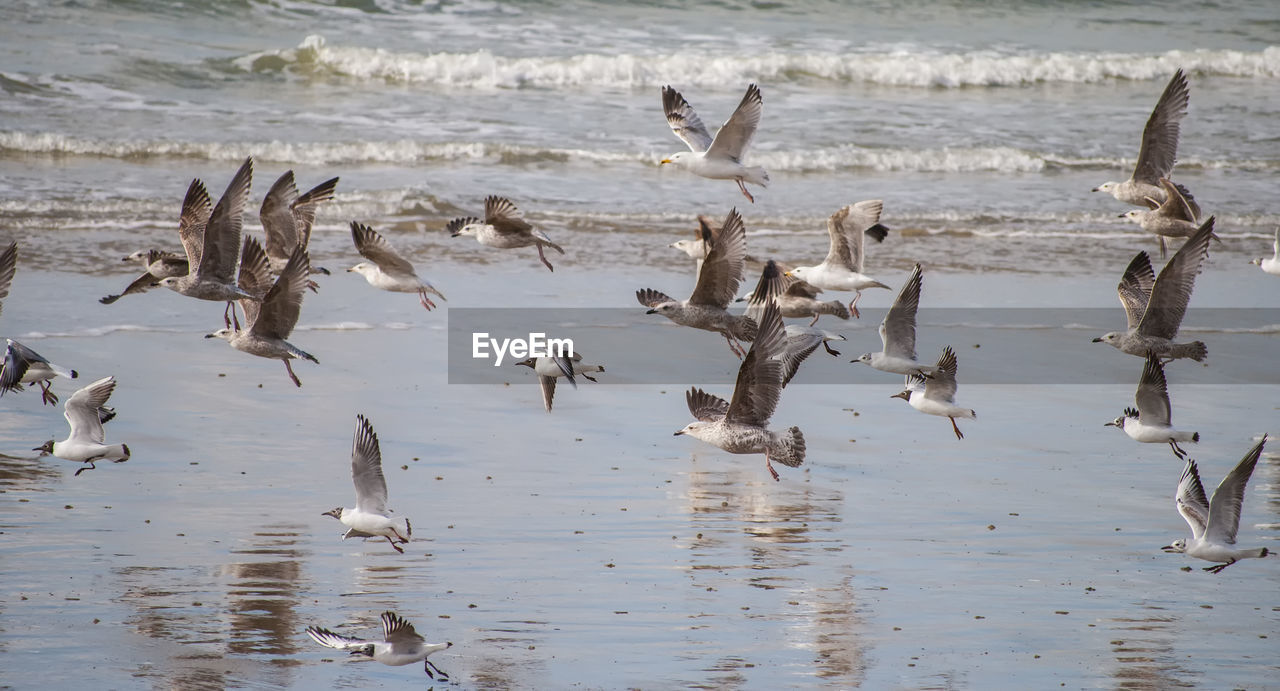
column 1096, row 189
column 787, row 274
column 665, row 161
column 210, row 336
column 652, row 312
column 1122, row 215
column 678, row 433
column 351, row 269
column 1168, row 548
column 1110, row 424
column 1097, row 340
column 454, row 234
column 333, row 512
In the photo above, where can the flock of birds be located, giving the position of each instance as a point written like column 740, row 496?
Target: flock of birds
column 266, row 285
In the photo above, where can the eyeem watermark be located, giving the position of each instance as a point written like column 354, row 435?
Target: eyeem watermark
column 536, row 345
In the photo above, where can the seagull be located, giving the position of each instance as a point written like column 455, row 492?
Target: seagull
column 799, row 337
column 214, row 250
column 717, row 284
column 703, row 237
column 504, row 228
column 741, row 425
column 23, row 365
column 842, row 269
column 936, row 393
column 1174, row 218
column 551, row 368
column 719, row 158
column 1155, row 307
column 1159, row 150
column 1214, row 524
column 386, row 269
column 1150, row 422
column 287, row 218
column 85, row 412
column 1269, row 264
column 156, row 265
column 794, row 297
column 400, row 645
column 370, row 518
column 898, row 333
column 269, row 322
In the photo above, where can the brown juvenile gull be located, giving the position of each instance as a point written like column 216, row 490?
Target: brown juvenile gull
column 159, row 264
column 842, row 269
column 742, row 424
column 551, row 368
column 1155, row 307
column 503, row 228
column 1214, row 524
column 898, row 333
column 214, row 251
column 287, row 218
column 719, row 158
column 268, row 323
column 1159, row 151
column 386, row 269
column 400, row 645
column 1151, row 421
column 1175, row 218
column 795, row 298
column 717, row 284
column 86, row 442
column 370, row 518
column 936, row 394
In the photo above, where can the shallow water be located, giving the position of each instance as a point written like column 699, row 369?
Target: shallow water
column 588, row 547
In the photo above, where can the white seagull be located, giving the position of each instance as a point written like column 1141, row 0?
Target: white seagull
column 400, row 645
column 1271, row 264
column 1155, row 306
column 85, row 412
column 1151, row 421
column 386, row 269
column 842, row 269
column 936, row 394
column 370, row 518
column 1214, row 524
column 742, row 425
column 551, row 368
column 1159, row 151
column 719, row 158
column 898, row 333
column 503, row 228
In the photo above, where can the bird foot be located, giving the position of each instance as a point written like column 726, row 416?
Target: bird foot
column 542, row 255
column 772, row 472
column 91, row 466
column 815, row 319
column 853, row 306
column 294, row 377
column 47, row 396
column 745, row 193
column 398, row 548
column 955, row 427
column 1217, row 568
column 830, row 350
column 1178, row 451
column 588, row 377
column 426, row 301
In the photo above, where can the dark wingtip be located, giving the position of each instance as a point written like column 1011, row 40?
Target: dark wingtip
column 1195, row 436
column 878, row 232
column 74, row 374
column 109, row 299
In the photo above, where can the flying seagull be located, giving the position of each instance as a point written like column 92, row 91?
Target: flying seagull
column 1155, row 307
column 898, row 333
column 1271, row 264
column 719, row 158
column 842, row 269
column 936, row 394
column 22, row 365
column 156, row 265
column 504, row 228
column 1214, row 524
column 551, row 368
column 400, row 645
column 370, row 518
column 1175, row 218
column 287, row 218
column 386, row 269
column 85, row 412
column 795, row 298
column 1151, row 421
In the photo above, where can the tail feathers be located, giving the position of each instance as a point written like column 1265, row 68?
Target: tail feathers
column 551, row 244
column 1263, row 552
column 761, row 176
column 124, row 449
column 299, row 353
column 408, row 530
column 789, row 449
column 1195, row 436
column 834, row 308
column 1195, row 350
column 745, row 329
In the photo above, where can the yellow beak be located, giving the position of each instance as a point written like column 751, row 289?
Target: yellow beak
column 664, row 161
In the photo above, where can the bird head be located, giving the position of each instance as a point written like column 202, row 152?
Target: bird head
column 665, row 308
column 693, row 429
column 171, row 282
column 905, row 395
column 1178, row 546
column 1105, row 187
column 362, row 268
column 45, row 449
column 336, row 513
column 679, row 159
column 865, row 357
column 224, row 334
column 530, row 363
column 1118, row 423
column 1112, row 338
column 1136, row 215
column 136, row 256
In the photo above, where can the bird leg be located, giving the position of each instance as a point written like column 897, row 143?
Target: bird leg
column 292, row 376
column 426, row 301
column 956, row 428
column 1177, row 450
column 393, row 544
column 737, row 350
column 1217, row 568
column 853, row 306
column 46, row 395
column 313, row 286
column 91, row 466
column 769, row 465
column 226, row 318
column 1163, row 251
column 815, row 319
column 235, row 321
column 830, row 350
column 745, row 193
column 543, row 257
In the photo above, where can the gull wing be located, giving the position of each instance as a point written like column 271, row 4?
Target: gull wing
column 82, row 410
column 652, row 298
column 736, row 134
column 846, row 228
column 941, row 385
column 1175, row 206
column 684, row 121
column 799, row 347
column 1224, row 509
column 898, row 330
column 1191, row 501
column 283, row 302
column 771, row 284
column 8, row 267
column 1153, row 394
column 255, row 277
column 17, row 360
column 505, row 218
column 548, row 385
column 396, row 630
column 755, row 395
column 1172, row 289
column 376, row 249
column 707, row 230
column 704, row 406
column 277, row 217
column 193, row 220
column 330, row 639
column 1159, row 150
column 721, row 271
column 366, row 469
column 140, row 284
column 304, row 208
column 1135, row 288
column 221, row 247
